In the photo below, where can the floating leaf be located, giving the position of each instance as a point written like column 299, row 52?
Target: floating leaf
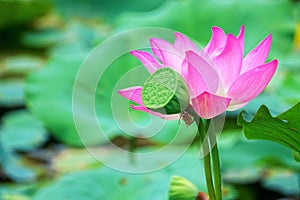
column 13, row 167
column 49, row 96
column 108, row 184
column 104, row 184
column 22, row 131
column 22, row 64
column 11, row 92
column 19, row 131
column 244, row 175
column 43, row 38
column 283, row 180
column 73, row 35
column 72, row 159
column 249, row 152
column 16, row 170
column 283, row 129
column 254, row 157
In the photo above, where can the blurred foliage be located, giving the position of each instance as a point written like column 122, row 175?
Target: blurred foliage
column 14, row 197
column 44, row 45
column 13, row 68
column 49, row 96
column 106, row 10
column 24, row 11
column 271, row 163
column 21, row 64
column 106, row 184
column 73, row 159
column 296, row 156
column 195, row 19
column 22, row 131
column 11, row 92
column 281, row 179
column 42, row 91
column 19, row 131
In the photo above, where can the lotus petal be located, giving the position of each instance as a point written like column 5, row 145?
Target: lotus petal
column 209, row 105
column 258, row 55
column 250, row 84
column 147, row 60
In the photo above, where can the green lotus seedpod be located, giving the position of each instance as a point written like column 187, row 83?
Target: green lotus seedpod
column 182, row 189
column 165, row 92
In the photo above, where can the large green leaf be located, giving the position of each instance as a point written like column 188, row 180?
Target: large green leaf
column 49, row 91
column 283, row 129
column 49, row 96
column 108, row 184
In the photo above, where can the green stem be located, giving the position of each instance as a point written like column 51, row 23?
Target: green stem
column 208, row 177
column 207, row 161
column 217, row 171
column 214, row 186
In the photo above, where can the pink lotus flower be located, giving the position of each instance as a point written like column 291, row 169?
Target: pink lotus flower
column 218, row 77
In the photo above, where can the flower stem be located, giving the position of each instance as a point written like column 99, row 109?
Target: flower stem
column 207, row 161
column 217, row 171
column 213, row 177
column 208, row 176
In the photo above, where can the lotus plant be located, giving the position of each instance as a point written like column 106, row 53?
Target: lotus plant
column 185, row 80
